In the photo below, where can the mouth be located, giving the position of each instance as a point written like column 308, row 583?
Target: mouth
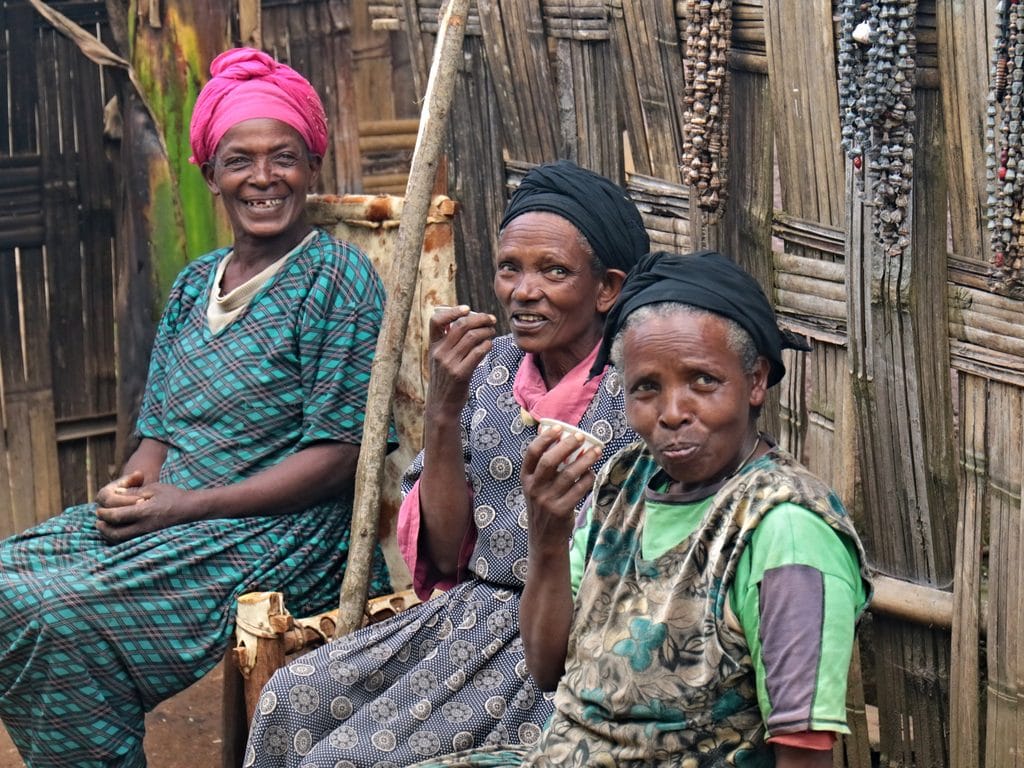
column 264, row 205
column 527, row 319
column 679, row 451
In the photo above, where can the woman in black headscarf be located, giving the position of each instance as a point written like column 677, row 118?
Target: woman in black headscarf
column 450, row 673
column 706, row 609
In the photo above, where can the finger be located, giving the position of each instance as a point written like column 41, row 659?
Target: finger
column 118, row 517
column 442, row 318
column 133, row 479
column 538, row 447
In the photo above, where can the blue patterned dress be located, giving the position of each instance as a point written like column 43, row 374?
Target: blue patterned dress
column 449, row 673
column 92, row 635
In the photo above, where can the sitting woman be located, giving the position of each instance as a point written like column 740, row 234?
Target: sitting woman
column 705, row 612
column 249, row 436
column 450, row 673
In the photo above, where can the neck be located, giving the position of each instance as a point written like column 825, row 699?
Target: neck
column 554, row 364
column 255, row 253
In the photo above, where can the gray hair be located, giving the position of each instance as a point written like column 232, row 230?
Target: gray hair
column 740, row 342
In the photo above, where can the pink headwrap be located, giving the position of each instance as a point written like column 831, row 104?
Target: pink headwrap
column 246, row 83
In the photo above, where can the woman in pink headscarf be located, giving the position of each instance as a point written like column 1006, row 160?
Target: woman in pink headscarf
column 248, row 436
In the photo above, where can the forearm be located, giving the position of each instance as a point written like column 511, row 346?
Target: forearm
column 445, row 504
column 793, row 757
column 313, row 475
column 545, row 614
column 148, row 458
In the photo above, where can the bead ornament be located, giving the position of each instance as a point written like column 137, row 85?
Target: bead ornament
column 1004, row 153
column 706, row 30
column 877, row 72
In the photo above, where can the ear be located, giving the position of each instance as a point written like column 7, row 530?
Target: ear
column 208, row 173
column 316, row 163
column 759, row 382
column 611, row 286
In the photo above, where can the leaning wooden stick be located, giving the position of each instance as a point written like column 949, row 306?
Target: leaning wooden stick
column 370, row 471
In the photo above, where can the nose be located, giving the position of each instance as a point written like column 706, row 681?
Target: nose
column 262, row 171
column 676, row 409
column 526, row 288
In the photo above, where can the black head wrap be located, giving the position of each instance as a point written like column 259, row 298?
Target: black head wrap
column 597, row 207
column 706, row 280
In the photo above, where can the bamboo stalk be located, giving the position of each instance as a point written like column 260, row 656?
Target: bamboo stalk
column 370, row 471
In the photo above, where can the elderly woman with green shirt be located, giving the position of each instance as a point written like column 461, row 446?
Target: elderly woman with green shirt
column 704, row 613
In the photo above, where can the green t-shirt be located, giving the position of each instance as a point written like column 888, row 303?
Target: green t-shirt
column 788, row 536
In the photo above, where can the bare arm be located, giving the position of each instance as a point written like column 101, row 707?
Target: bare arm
column 456, row 348
column 794, row 757
column 312, row 475
column 546, row 610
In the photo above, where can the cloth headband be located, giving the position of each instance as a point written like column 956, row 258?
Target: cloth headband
column 597, row 207
column 246, row 83
column 709, row 281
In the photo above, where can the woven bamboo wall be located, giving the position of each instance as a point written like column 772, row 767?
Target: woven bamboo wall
column 911, row 403
column 57, row 360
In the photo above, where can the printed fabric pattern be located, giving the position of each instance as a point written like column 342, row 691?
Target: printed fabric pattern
column 448, row 674
column 96, row 634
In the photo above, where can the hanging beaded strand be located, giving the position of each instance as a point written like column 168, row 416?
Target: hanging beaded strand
column 1004, row 155
column 877, row 71
column 706, row 27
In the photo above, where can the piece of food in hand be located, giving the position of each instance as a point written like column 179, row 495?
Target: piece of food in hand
column 570, row 432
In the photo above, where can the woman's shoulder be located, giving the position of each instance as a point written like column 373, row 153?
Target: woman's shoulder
column 341, row 267
column 193, row 279
column 324, row 249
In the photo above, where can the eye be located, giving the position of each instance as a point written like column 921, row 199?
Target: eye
column 643, row 386
column 705, row 381
column 236, row 162
column 506, row 267
column 286, row 159
column 558, row 272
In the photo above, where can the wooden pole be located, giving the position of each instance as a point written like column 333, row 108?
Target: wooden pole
column 370, row 471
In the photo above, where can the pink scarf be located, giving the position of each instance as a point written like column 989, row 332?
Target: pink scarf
column 566, row 401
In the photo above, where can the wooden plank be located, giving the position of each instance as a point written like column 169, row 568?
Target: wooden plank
column 632, row 108
column 801, row 66
column 5, row 83
column 590, row 117
column 21, row 61
column 516, row 55
column 657, row 63
column 476, row 174
column 1005, row 411
column 899, row 357
column 966, row 27
column 965, row 661
column 64, row 273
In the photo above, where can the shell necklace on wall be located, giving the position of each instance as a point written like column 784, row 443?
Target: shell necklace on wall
column 1004, row 154
column 877, row 70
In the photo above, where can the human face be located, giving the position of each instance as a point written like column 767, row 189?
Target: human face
column 689, row 398
column 262, row 171
column 546, row 282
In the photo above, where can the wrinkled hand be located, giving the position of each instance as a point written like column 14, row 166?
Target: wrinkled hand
column 122, row 492
column 155, row 506
column 459, row 340
column 552, row 494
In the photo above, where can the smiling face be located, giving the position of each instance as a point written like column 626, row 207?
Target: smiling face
column 262, row 171
column 689, row 397
column 546, row 281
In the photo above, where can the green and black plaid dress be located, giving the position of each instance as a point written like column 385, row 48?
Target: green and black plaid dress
column 92, row 635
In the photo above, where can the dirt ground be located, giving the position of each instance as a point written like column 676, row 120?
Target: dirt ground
column 183, row 732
